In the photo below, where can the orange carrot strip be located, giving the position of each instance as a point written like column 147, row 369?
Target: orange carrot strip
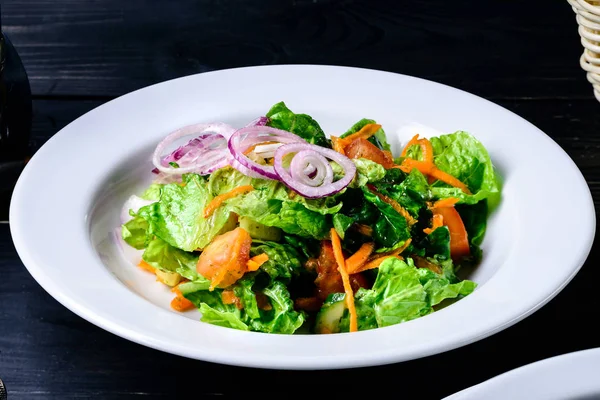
column 180, row 303
column 448, row 202
column 364, row 229
column 217, row 201
column 408, row 164
column 411, row 142
column 426, row 149
column 358, row 259
column 255, row 262
column 228, row 297
column 401, row 210
column 339, row 259
column 436, row 222
column 252, row 265
column 146, row 267
column 365, row 132
column 449, row 179
column 338, row 144
column 427, row 168
column 377, row 259
column 459, row 240
column 375, row 263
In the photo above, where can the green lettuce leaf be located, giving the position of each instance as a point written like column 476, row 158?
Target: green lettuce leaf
column 303, row 125
column 464, row 157
column 341, row 223
column 444, row 286
column 152, row 192
column 281, row 318
column 367, row 171
column 177, row 217
column 437, row 243
column 379, row 139
column 402, row 292
column 284, row 263
column 391, row 229
column 167, row 258
column 135, row 232
column 412, row 192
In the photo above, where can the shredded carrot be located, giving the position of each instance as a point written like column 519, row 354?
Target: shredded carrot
column 255, row 262
column 365, row 132
column 448, row 202
column 408, row 164
column 436, row 221
column 147, row 267
column 375, row 263
column 428, row 168
column 413, row 141
column 449, row 179
column 375, row 260
column 338, row 144
column 426, row 149
column 358, row 259
column 339, row 259
column 180, row 303
column 401, row 210
column 364, row 229
column 217, row 201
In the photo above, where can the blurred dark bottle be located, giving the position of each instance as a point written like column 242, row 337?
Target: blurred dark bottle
column 15, row 119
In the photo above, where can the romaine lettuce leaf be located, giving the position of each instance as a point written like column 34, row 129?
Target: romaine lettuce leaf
column 402, row 292
column 412, row 192
column 212, row 308
column 279, row 317
column 391, row 229
column 177, row 217
column 135, row 232
column 379, row 139
column 464, row 157
column 303, row 125
column 152, row 192
column 284, row 262
column 367, row 171
column 437, row 243
column 167, row 258
column 341, row 223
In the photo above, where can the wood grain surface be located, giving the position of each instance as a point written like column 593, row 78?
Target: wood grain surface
column 80, row 54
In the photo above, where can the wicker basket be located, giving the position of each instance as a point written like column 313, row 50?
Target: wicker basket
column 588, row 19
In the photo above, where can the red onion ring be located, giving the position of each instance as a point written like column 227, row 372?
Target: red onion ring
column 298, row 178
column 249, row 136
column 202, row 154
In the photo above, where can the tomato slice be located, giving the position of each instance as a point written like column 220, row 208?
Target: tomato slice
column 362, row 148
column 225, row 259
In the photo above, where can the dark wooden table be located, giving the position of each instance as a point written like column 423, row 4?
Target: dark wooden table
column 523, row 55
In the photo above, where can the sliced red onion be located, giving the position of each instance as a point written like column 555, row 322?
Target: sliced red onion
column 250, row 136
column 319, row 185
column 132, row 203
column 200, row 154
column 260, row 121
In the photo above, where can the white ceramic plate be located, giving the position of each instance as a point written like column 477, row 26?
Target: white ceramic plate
column 571, row 376
column 66, row 205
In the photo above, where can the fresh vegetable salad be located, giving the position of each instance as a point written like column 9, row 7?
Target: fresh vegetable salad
column 278, row 228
